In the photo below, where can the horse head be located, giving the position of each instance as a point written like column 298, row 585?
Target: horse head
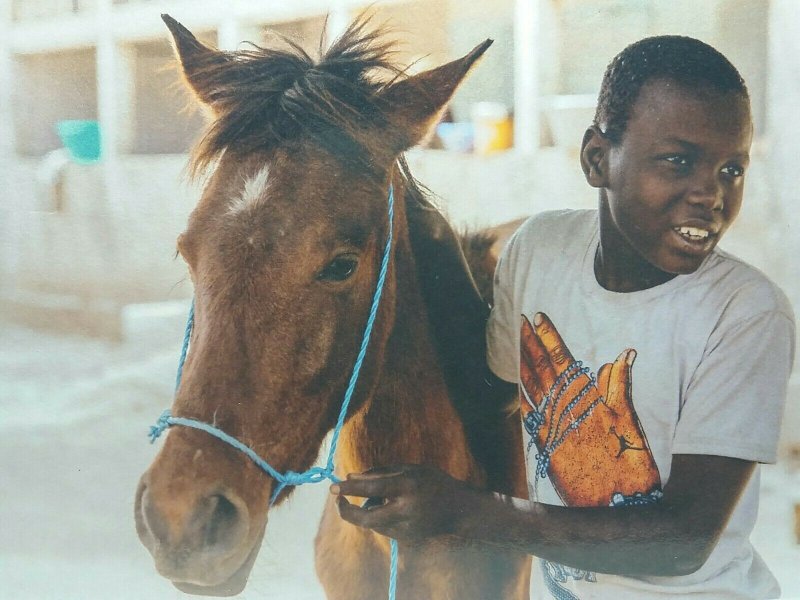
column 284, row 249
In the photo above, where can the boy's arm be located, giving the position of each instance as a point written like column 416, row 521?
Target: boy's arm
column 673, row 537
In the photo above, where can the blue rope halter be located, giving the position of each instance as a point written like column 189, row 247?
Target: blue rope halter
column 314, row 474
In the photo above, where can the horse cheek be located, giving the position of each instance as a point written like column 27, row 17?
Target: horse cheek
column 313, row 349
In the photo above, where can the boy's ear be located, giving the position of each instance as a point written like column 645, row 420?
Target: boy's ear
column 413, row 106
column 594, row 157
column 198, row 62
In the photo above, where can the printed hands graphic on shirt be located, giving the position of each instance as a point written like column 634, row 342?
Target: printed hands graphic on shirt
column 588, row 438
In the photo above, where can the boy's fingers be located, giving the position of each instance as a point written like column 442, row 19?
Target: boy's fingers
column 375, row 472
column 536, row 372
column 371, row 518
column 560, row 356
column 371, row 485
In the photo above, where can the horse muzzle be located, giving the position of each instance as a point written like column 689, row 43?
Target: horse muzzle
column 202, row 542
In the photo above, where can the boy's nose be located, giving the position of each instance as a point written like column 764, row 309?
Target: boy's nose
column 707, row 190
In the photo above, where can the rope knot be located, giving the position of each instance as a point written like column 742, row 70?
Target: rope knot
column 292, row 478
column 313, row 475
column 162, row 424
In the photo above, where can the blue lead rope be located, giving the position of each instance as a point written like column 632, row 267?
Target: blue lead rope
column 314, row 474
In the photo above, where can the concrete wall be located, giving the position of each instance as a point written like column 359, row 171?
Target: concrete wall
column 20, row 198
column 783, row 133
column 492, row 80
column 783, row 130
column 167, row 118
column 420, row 28
column 590, row 34
column 117, row 245
column 49, row 88
column 578, row 38
column 306, row 32
column 36, row 9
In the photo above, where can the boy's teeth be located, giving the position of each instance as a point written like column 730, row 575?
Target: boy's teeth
column 692, row 233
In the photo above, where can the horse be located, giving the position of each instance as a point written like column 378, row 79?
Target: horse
column 284, row 249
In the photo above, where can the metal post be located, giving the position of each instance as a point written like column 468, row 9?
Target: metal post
column 526, row 75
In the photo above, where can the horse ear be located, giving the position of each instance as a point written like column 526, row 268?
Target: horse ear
column 198, row 61
column 414, row 105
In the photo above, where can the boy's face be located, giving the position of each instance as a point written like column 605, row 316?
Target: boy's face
column 674, row 183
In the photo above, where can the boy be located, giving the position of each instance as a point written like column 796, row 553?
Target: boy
column 651, row 367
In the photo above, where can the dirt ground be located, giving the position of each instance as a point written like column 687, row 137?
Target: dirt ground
column 74, row 414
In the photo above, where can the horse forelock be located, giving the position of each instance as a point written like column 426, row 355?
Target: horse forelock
column 264, row 98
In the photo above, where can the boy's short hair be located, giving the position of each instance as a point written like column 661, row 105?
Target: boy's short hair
column 684, row 60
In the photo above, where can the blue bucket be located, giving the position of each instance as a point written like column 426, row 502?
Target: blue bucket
column 81, row 138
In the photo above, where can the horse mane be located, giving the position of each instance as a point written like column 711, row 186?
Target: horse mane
column 460, row 344
column 265, row 97
column 476, row 245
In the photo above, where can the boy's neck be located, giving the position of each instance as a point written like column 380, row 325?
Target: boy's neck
column 617, row 266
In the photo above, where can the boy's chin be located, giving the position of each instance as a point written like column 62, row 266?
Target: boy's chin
column 677, row 261
column 686, row 266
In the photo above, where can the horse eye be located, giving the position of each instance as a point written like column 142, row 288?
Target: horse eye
column 339, row 269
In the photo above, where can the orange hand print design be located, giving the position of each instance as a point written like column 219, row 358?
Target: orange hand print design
column 588, row 437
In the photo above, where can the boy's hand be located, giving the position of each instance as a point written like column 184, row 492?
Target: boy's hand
column 588, row 437
column 408, row 502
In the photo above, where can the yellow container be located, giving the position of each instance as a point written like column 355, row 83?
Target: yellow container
column 494, row 128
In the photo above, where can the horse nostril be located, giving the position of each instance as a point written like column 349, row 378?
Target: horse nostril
column 215, row 525
column 223, row 521
column 220, row 522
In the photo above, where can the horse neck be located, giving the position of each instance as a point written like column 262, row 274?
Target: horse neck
column 409, row 417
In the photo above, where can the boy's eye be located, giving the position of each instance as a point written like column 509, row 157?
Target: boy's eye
column 679, row 160
column 733, row 171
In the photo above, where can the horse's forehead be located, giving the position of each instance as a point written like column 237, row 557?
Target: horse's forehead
column 286, row 184
column 251, row 195
column 261, row 199
column 280, row 175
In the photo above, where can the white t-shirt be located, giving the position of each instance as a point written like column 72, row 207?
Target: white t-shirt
column 714, row 351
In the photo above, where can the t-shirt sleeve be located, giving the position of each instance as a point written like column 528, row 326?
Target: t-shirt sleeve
column 502, row 329
column 734, row 401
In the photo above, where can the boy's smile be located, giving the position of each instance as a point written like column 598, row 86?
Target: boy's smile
column 671, row 187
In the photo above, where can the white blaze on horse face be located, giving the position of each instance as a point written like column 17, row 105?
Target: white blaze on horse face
column 255, row 188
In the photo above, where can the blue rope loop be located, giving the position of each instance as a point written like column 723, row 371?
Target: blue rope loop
column 314, row 474
column 290, row 478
